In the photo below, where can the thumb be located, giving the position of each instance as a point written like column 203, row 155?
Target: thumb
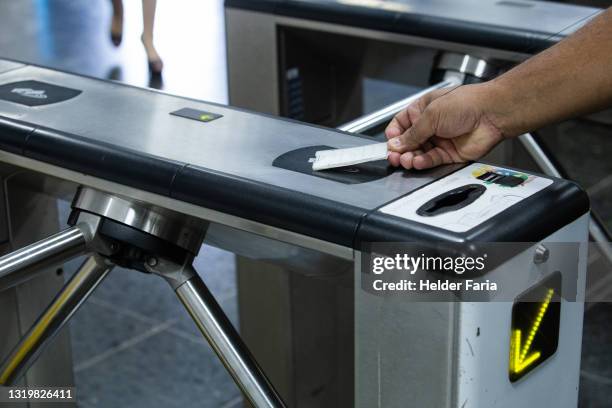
column 420, row 131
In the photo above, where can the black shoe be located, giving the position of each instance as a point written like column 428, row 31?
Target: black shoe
column 116, row 39
column 156, row 67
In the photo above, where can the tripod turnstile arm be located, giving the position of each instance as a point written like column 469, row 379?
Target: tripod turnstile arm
column 21, row 265
column 597, row 232
column 49, row 324
column 219, row 332
column 386, row 113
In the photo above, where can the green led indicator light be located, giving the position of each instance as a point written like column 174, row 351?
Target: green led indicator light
column 196, row 114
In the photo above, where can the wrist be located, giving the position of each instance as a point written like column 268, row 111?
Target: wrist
column 499, row 108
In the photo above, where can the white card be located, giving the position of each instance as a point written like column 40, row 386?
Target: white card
column 329, row 159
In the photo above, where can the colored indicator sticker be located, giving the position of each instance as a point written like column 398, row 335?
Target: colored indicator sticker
column 502, row 177
column 534, row 335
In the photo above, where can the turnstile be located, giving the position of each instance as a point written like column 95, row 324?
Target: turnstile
column 307, row 59
column 151, row 175
column 316, row 59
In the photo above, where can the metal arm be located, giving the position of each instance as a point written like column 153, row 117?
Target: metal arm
column 21, row 265
column 57, row 314
column 598, row 234
column 219, row 332
column 130, row 244
column 385, row 114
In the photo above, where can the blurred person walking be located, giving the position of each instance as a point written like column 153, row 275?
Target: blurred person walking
column 156, row 64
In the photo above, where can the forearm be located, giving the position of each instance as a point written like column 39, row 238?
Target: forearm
column 571, row 78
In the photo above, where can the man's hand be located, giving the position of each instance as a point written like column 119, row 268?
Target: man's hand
column 444, row 126
column 569, row 79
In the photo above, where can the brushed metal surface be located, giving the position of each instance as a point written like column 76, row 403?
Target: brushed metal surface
column 528, row 16
column 6, row 66
column 240, row 143
column 179, row 229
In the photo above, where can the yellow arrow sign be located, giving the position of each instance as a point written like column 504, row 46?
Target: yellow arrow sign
column 519, row 358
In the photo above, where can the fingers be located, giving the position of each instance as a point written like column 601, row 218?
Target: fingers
column 409, row 115
column 411, row 130
column 431, row 158
column 407, row 159
column 394, row 159
column 434, row 153
column 417, row 134
column 398, row 125
column 420, row 160
column 438, row 130
column 406, row 117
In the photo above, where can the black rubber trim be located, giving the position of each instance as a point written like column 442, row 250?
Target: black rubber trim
column 438, row 28
column 268, row 204
column 13, row 134
column 103, row 160
column 530, row 221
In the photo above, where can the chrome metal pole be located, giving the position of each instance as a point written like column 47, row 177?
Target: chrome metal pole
column 48, row 325
column 227, row 343
column 21, row 265
column 548, row 167
column 538, row 155
column 385, row 114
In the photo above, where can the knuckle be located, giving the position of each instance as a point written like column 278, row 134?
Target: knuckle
column 414, row 111
column 422, row 102
column 433, row 116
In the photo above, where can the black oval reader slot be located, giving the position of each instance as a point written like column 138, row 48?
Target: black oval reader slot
column 452, row 200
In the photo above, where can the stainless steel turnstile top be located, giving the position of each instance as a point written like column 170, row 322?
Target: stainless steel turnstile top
column 514, row 25
column 543, row 16
column 241, row 144
column 223, row 161
column 9, row 65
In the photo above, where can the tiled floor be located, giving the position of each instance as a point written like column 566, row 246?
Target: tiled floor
column 133, row 344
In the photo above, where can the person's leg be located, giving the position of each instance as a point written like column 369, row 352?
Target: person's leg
column 117, row 22
column 148, row 21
